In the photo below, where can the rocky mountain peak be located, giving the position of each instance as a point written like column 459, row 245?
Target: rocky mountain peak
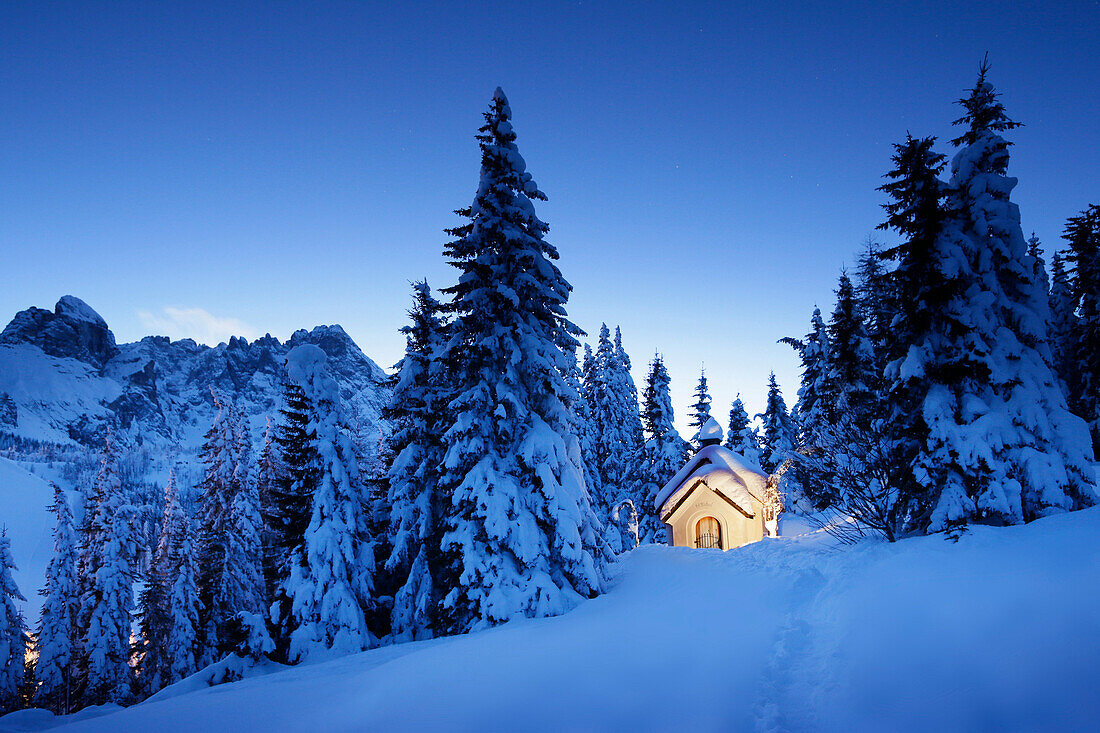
column 73, row 329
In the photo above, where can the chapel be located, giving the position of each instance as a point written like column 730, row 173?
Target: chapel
column 716, row 501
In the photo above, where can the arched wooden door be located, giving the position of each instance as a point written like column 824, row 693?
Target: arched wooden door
column 708, row 533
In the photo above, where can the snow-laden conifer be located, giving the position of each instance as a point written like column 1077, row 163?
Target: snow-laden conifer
column 616, row 430
column 289, row 509
column 915, row 348
column 700, row 409
column 416, row 411
column 58, row 635
column 521, row 538
column 330, row 580
column 1024, row 454
column 1083, row 237
column 589, row 433
column 13, row 631
column 1063, row 328
column 816, row 394
column 665, row 451
column 268, row 467
column 779, row 435
column 874, row 295
column 108, row 556
column 851, row 371
column 230, row 555
column 169, row 604
column 176, row 555
column 741, row 436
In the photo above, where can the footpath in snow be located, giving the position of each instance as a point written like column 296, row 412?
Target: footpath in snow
column 1000, row 631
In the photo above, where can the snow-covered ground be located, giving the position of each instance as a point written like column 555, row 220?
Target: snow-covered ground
column 1000, row 631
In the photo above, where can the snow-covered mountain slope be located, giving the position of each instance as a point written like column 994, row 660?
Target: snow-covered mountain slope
column 24, row 513
column 63, row 379
column 1000, row 631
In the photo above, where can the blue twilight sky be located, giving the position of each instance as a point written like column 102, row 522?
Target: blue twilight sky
column 194, row 169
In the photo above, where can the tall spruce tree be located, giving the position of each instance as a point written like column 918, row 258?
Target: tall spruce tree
column 1083, row 237
column 814, row 414
column 665, row 451
column 169, row 604
column 851, row 371
column 874, row 295
column 182, row 648
column 779, row 435
column 290, row 506
column 916, row 347
column 520, row 538
column 816, row 394
column 417, row 411
column 58, row 635
column 589, row 437
column 268, row 470
column 741, row 436
column 1063, row 329
column 630, row 446
column 1038, row 455
column 331, row 574
column 107, row 560
column 700, row 409
column 610, row 421
column 616, row 430
column 13, row 631
column 230, row 553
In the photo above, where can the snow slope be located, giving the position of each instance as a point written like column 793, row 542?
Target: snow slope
column 24, row 502
column 1000, row 631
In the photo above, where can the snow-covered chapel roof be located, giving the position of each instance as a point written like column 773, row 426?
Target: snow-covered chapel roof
column 720, row 469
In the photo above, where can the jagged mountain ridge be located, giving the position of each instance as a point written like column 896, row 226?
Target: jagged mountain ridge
column 63, row 379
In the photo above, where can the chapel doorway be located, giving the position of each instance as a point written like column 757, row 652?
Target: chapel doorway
column 708, row 533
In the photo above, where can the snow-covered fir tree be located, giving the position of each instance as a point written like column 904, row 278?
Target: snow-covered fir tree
column 58, row 635
column 13, row 631
column 521, row 538
column 1039, row 452
column 331, row 573
column 874, row 295
column 972, row 367
column 289, row 509
column 779, row 434
column 851, row 372
column 583, row 425
column 416, row 410
column 169, row 604
column 230, row 552
column 615, row 430
column 741, row 435
column 924, row 323
column 1063, row 328
column 622, row 531
column 106, row 565
column 700, row 409
column 268, row 467
column 664, row 453
column 816, row 395
column 1083, row 237
column 589, row 432
column 176, row 558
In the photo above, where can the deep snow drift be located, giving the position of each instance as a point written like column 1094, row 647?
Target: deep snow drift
column 1000, row 631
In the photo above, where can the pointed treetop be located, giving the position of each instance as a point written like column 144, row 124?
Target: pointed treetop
column 984, row 111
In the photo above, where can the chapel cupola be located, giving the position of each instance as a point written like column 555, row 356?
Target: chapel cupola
column 710, row 433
